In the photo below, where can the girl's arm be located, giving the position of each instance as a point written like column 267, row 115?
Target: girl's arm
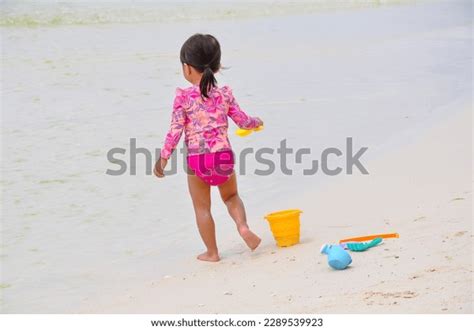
column 238, row 115
column 178, row 117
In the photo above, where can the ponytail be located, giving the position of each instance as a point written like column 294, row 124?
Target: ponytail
column 207, row 82
column 203, row 53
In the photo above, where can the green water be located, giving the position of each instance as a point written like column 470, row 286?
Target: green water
column 22, row 14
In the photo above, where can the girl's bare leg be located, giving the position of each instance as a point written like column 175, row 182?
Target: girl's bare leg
column 201, row 196
column 235, row 206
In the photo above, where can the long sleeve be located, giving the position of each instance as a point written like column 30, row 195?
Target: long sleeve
column 178, row 118
column 238, row 115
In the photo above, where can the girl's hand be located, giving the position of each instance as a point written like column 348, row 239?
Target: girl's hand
column 159, row 167
column 260, row 121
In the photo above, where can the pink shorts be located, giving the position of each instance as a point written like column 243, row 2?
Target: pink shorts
column 213, row 168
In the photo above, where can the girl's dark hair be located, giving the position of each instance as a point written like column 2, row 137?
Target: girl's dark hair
column 203, row 52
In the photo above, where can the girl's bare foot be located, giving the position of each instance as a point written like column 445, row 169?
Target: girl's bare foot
column 206, row 256
column 250, row 238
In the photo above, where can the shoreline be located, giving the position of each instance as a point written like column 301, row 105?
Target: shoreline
column 18, row 15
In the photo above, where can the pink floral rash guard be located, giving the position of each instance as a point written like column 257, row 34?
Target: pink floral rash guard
column 204, row 121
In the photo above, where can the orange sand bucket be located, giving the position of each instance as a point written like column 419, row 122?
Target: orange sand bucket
column 285, row 226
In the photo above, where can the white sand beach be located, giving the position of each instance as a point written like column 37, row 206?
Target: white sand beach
column 397, row 78
column 427, row 270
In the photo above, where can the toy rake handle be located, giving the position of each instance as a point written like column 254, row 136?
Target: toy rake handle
column 368, row 238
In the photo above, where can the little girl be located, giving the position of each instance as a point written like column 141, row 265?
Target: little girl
column 201, row 111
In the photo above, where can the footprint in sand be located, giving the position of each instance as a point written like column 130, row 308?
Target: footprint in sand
column 419, row 219
column 460, row 233
column 388, row 297
column 457, row 199
column 414, row 277
column 418, row 275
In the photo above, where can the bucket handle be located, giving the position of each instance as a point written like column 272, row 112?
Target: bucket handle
column 266, row 218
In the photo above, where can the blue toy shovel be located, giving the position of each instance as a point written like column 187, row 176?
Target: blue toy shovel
column 359, row 247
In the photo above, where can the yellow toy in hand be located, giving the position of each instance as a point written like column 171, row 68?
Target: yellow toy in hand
column 244, row 132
